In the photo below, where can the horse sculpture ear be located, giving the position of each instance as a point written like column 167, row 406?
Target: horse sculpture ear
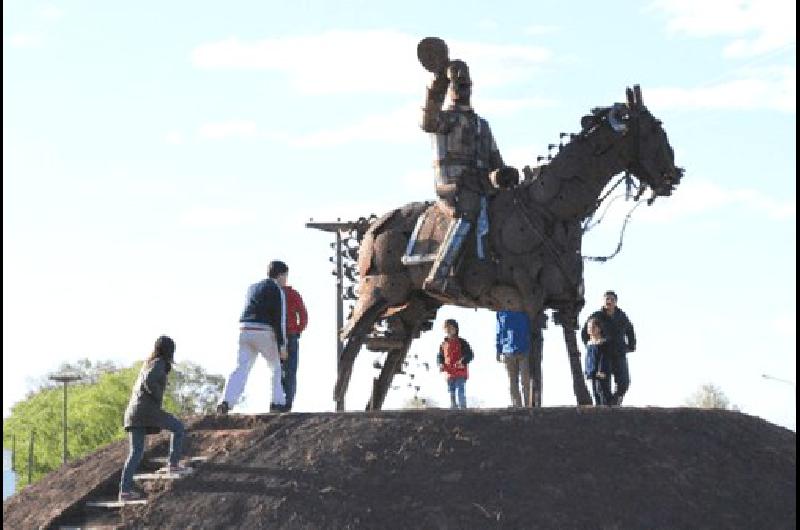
column 629, row 97
column 588, row 121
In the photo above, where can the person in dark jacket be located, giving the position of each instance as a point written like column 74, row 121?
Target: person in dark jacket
column 262, row 329
column 597, row 365
column 453, row 358
column 145, row 415
column 513, row 340
column 618, row 331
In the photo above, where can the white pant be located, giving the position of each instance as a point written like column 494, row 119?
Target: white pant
column 251, row 343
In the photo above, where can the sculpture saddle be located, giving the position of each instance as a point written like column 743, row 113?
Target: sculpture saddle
column 427, row 236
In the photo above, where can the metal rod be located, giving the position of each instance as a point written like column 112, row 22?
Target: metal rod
column 30, row 458
column 64, row 422
column 339, row 311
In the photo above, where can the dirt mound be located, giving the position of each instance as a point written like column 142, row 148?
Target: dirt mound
column 541, row 468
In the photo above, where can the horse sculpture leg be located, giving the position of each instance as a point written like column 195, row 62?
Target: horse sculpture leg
column 569, row 323
column 381, row 384
column 356, row 333
column 536, row 368
column 404, row 327
column 578, row 382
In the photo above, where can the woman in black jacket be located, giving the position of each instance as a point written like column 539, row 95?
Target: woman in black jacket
column 145, row 415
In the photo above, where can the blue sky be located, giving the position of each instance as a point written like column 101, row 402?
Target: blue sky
column 157, row 155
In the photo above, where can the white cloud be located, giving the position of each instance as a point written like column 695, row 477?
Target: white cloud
column 488, row 24
column 214, row 217
column 490, row 106
column 419, row 181
column 767, row 88
column 402, row 124
column 174, row 137
column 50, row 11
column 540, row 29
column 494, row 65
column 696, row 197
column 25, row 40
column 376, row 61
column 399, row 125
column 758, row 26
column 227, row 129
column 785, row 326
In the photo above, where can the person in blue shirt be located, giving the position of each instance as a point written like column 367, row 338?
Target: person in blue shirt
column 597, row 365
column 513, row 349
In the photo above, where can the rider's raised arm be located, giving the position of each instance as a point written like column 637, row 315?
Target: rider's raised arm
column 432, row 121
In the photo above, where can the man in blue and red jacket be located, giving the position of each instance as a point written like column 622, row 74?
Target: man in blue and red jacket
column 262, row 330
column 454, row 355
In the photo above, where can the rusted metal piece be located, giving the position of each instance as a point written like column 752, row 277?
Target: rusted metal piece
column 378, row 343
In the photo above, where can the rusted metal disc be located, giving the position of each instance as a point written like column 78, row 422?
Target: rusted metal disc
column 433, row 54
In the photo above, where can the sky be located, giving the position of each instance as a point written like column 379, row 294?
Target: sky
column 156, row 157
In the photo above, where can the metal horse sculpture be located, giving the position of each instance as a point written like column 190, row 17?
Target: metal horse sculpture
column 534, row 243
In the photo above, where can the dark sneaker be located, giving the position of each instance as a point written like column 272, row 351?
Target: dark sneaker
column 223, row 408
column 274, row 407
column 125, row 496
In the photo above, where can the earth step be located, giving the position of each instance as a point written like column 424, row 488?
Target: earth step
column 114, row 504
column 162, row 476
column 104, row 527
column 163, row 459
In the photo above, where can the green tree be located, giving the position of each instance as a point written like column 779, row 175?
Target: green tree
column 95, row 408
column 710, row 396
column 89, row 372
column 194, row 390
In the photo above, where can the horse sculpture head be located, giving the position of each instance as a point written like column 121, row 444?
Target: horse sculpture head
column 651, row 158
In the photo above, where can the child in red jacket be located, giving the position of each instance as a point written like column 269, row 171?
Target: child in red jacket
column 454, row 355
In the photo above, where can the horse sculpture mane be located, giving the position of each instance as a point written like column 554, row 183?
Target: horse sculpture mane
column 533, row 260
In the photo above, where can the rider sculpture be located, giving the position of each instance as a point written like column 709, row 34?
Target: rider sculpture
column 465, row 159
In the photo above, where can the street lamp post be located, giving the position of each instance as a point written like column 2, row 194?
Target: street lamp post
column 66, row 378
column 773, row 378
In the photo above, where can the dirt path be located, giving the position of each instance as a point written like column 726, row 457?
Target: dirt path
column 541, row 468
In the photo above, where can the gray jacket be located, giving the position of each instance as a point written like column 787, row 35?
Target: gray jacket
column 144, row 408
